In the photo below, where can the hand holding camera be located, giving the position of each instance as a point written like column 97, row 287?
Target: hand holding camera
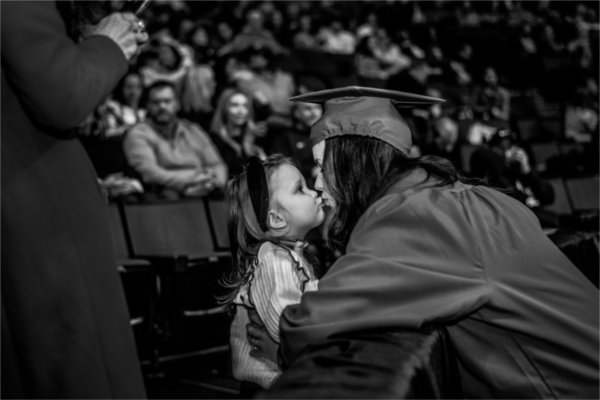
column 125, row 29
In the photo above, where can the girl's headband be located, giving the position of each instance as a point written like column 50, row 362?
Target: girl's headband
column 258, row 189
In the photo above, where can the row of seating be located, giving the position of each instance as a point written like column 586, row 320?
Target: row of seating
column 574, row 195
column 541, row 152
column 171, row 255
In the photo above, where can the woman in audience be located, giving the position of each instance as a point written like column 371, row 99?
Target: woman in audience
column 124, row 109
column 167, row 59
column 234, row 131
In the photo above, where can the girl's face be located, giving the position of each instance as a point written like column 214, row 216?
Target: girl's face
column 299, row 206
column 318, row 151
column 237, row 110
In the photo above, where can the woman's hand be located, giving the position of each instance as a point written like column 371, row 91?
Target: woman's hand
column 263, row 345
column 124, row 29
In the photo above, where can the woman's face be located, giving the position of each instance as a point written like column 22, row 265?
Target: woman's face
column 318, row 151
column 166, row 55
column 200, row 38
column 132, row 89
column 308, row 113
column 237, row 109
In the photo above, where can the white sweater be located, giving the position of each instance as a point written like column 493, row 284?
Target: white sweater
column 278, row 280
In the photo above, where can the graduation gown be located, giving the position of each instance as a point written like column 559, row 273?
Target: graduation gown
column 522, row 318
column 65, row 325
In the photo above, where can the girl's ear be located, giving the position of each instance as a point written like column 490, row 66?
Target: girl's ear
column 276, row 221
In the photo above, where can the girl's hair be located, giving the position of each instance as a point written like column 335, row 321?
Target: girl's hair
column 245, row 234
column 358, row 170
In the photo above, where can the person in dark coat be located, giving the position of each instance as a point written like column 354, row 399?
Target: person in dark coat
column 65, row 325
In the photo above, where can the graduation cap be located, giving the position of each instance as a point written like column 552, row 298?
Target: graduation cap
column 364, row 111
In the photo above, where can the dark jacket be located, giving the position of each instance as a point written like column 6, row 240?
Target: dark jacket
column 65, row 325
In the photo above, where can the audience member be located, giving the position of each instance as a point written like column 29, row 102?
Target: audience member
column 378, row 58
column 335, row 38
column 165, row 60
column 305, row 38
column 200, row 83
column 234, row 131
column 445, row 141
column 123, row 110
column 173, row 157
column 369, row 27
column 504, row 164
column 270, row 87
column 491, row 99
column 292, row 139
column 414, row 79
column 254, row 33
column 581, row 118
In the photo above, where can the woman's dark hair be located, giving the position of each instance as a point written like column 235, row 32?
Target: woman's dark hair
column 363, row 47
column 117, row 93
column 358, row 170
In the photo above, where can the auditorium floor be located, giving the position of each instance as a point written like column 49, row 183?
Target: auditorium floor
column 203, row 376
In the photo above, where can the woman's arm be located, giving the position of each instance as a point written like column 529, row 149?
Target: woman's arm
column 58, row 81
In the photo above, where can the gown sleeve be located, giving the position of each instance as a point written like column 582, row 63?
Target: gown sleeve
column 405, row 266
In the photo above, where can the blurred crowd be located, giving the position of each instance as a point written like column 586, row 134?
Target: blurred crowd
column 513, row 73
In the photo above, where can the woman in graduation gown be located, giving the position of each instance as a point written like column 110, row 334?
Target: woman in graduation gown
column 420, row 248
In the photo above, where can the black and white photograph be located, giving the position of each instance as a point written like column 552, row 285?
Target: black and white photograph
column 318, row 199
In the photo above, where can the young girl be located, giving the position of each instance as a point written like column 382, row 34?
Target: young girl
column 270, row 212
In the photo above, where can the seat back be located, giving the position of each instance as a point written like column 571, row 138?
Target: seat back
column 465, row 153
column 561, row 204
column 542, row 152
column 169, row 229
column 583, row 192
column 217, row 213
column 118, row 232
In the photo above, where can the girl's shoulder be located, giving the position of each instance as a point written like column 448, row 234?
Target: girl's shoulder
column 273, row 255
column 272, row 249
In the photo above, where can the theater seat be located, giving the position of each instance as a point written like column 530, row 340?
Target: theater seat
column 583, row 193
column 561, row 204
column 541, row 152
column 139, row 285
column 176, row 237
column 217, row 213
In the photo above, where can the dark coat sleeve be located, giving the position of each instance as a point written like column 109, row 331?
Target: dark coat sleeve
column 35, row 46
